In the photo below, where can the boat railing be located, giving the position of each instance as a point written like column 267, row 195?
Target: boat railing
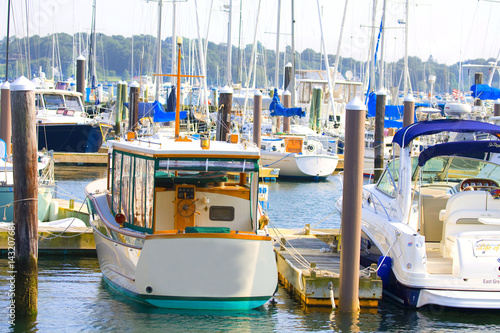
column 373, row 201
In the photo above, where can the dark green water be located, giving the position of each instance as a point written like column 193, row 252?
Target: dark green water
column 72, row 296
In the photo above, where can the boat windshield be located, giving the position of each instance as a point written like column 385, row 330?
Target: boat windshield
column 53, row 102
column 447, row 169
column 73, row 103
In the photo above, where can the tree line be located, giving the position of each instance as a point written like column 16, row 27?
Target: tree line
column 114, row 56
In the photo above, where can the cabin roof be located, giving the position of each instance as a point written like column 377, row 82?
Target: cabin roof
column 167, row 147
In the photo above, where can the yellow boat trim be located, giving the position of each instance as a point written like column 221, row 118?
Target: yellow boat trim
column 232, row 235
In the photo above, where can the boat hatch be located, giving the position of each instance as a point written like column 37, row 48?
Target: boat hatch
column 159, row 195
column 293, row 145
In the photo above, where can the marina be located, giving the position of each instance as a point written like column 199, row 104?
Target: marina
column 141, row 189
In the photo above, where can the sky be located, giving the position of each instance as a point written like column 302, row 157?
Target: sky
column 449, row 30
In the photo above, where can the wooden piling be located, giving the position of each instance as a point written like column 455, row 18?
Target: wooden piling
column 496, row 108
column 314, row 115
column 287, row 101
column 378, row 144
column 408, row 110
column 351, row 206
column 124, row 99
column 134, row 106
column 80, row 74
column 257, row 118
column 224, row 114
column 25, row 197
column 478, row 79
column 288, row 76
column 5, row 120
column 118, row 108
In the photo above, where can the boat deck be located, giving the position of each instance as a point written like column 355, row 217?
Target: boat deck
column 436, row 264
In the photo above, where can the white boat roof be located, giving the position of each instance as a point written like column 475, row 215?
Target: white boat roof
column 159, row 146
column 58, row 92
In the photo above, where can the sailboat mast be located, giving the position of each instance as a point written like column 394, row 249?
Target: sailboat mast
column 158, row 52
column 331, row 84
column 277, row 61
column 381, row 66
column 228, row 65
column 293, row 57
column 405, row 89
column 7, row 46
column 174, row 39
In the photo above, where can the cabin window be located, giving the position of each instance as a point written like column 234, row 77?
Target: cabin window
column 73, row 103
column 53, row 102
column 222, row 213
column 133, row 189
column 143, row 192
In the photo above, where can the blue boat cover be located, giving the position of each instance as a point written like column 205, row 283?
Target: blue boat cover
column 484, row 92
column 157, row 111
column 277, row 109
column 405, row 135
column 458, row 148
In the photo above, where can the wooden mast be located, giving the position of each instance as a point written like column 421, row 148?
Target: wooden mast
column 178, row 92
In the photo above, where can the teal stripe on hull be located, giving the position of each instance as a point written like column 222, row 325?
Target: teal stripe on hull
column 193, row 303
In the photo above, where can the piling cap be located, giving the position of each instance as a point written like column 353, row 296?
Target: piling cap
column 6, row 85
column 257, row 93
column 288, row 64
column 287, row 93
column 22, row 84
column 409, row 98
column 226, row 90
column 81, row 57
column 496, row 102
column 381, row 91
column 355, row 105
column 134, row 84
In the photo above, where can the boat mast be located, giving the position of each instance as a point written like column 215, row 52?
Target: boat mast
column 201, row 54
column 331, row 84
column 7, row 46
column 174, row 35
column 158, row 53
column 405, row 89
column 277, row 61
column 293, row 58
column 228, row 65
column 381, row 66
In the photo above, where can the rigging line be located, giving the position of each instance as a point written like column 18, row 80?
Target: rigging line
column 67, row 227
column 298, row 257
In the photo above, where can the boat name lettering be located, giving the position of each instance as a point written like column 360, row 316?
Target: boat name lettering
column 491, row 281
column 487, row 247
column 494, row 144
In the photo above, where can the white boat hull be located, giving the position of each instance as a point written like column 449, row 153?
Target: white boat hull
column 190, row 274
column 317, row 166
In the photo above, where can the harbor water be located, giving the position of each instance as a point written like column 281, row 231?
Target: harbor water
column 72, row 296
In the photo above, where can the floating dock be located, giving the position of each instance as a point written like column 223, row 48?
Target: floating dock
column 81, row 158
column 310, row 283
column 57, row 240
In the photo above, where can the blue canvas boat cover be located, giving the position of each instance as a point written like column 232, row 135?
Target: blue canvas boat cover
column 405, row 135
column 157, row 111
column 484, row 92
column 459, row 148
column 277, row 109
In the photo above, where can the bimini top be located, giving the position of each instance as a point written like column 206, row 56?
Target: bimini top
column 458, row 148
column 405, row 135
